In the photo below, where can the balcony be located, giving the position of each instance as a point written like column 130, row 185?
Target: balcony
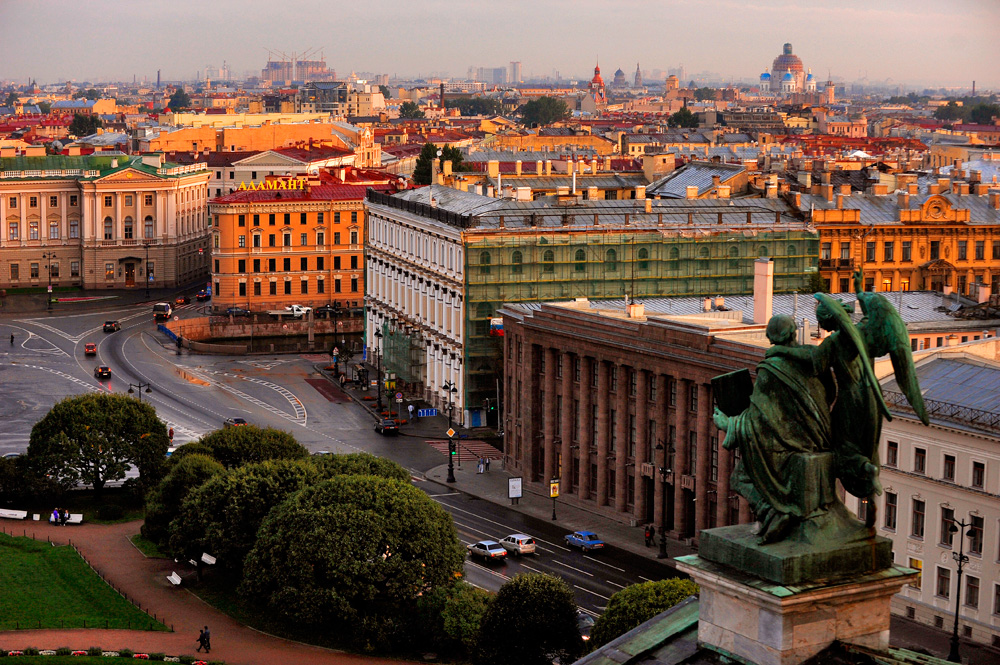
column 836, row 264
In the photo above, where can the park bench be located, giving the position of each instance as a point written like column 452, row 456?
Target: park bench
column 14, row 514
column 74, row 518
column 174, row 578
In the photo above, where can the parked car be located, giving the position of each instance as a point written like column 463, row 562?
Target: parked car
column 518, row 544
column 12, row 455
column 328, row 311
column 182, row 300
column 90, row 349
column 585, row 540
column 490, row 550
column 112, row 326
column 237, row 311
column 234, row 422
column 102, row 372
column 202, row 296
column 585, row 623
column 386, row 426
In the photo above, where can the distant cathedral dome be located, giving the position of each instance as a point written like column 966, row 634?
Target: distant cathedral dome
column 788, row 77
column 619, row 79
column 787, row 61
column 766, row 76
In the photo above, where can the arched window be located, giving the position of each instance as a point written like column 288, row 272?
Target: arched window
column 611, row 260
column 484, row 263
column 703, row 252
column 108, row 228
column 581, row 261
column 643, row 259
column 516, row 261
column 791, row 252
column 792, row 257
column 674, row 254
column 762, row 252
column 548, row 261
column 734, row 256
column 129, row 228
column 484, row 310
column 149, row 226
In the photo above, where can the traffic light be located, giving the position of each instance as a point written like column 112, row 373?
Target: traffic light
column 486, row 403
column 452, row 448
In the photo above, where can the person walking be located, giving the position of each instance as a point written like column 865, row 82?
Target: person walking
column 486, row 464
column 12, row 339
column 649, row 535
column 201, row 640
column 63, row 517
column 55, row 517
column 479, row 467
column 652, row 535
column 410, row 409
column 208, row 640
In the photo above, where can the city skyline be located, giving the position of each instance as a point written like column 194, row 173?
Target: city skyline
column 913, row 44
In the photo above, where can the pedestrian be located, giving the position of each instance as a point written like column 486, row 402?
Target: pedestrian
column 652, row 534
column 12, row 339
column 410, row 409
column 201, row 640
column 208, row 640
column 648, row 533
column 479, row 467
column 486, row 461
column 63, row 517
column 54, row 519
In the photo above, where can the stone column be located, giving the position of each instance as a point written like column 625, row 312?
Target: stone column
column 566, row 426
column 549, row 414
column 586, row 429
column 641, row 445
column 603, row 435
column 621, row 449
column 704, row 459
column 681, row 454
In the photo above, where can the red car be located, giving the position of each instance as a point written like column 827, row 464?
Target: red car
column 90, row 349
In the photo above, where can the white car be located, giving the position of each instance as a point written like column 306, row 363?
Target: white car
column 488, row 549
column 518, row 543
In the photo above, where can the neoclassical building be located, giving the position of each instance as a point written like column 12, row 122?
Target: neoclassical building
column 102, row 221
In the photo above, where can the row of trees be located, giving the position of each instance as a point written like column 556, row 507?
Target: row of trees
column 982, row 113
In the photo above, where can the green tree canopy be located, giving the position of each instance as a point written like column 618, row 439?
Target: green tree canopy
column 683, row 118
column 236, row 446
column 532, row 621
column 451, row 617
column 164, row 501
column 84, row 125
column 983, row 114
column 44, row 107
column 543, row 111
column 476, row 105
column 179, row 100
column 410, row 109
column 637, row 604
column 949, row 112
column 422, row 169
column 11, row 99
column 93, row 438
column 355, row 551
column 359, row 464
column 702, row 94
column 384, row 89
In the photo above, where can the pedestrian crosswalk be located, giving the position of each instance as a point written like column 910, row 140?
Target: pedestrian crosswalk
column 470, row 449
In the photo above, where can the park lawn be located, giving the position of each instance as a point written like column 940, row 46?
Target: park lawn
column 148, row 547
column 53, row 587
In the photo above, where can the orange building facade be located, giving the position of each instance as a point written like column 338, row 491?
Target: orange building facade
column 293, row 240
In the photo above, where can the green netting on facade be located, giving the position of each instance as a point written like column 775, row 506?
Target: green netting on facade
column 403, row 354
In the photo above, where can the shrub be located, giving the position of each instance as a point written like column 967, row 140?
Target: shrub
column 110, row 511
column 31, row 651
column 95, row 651
column 157, row 656
column 187, row 660
column 63, row 651
column 637, row 604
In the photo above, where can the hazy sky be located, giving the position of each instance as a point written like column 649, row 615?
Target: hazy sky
column 932, row 42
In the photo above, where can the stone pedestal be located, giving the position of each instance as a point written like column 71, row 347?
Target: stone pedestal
column 770, row 624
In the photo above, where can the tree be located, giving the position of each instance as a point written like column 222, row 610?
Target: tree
column 385, row 91
column 451, row 617
column 637, row 604
column 355, row 551
column 179, row 100
column 11, row 100
column 92, row 94
column 983, row 114
column 84, row 125
column 532, row 621
column 702, row 94
column 164, row 502
column 817, row 284
column 950, row 111
column 476, row 105
column 44, row 107
column 409, row 109
column 683, row 118
column 543, row 111
column 236, row 446
column 425, row 161
column 93, row 438
column 359, row 464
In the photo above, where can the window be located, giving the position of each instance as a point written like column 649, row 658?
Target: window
column 336, row 218
column 714, row 462
column 693, row 399
column 242, row 266
column 288, row 287
column 870, row 251
column 304, row 286
column 271, row 239
column 354, row 285
column 673, row 392
column 976, row 536
column 594, row 372
column 302, row 218
column 216, row 265
column 890, row 510
column 935, row 250
column 978, row 474
column 633, row 382
column 917, row 565
column 303, row 239
column 256, row 240
column 336, row 263
column 559, row 371
column 107, row 201
column 303, row 263
column 286, row 239
column 892, row 453
column 320, row 238
column 692, row 453
column 271, row 265
column 241, row 220
column 53, row 201
column 980, row 250
column 273, row 289
column 614, row 378
column 74, row 228
column 287, row 219
column 943, row 582
column 484, row 262
column 580, row 261
column 972, row 591
column 33, row 230
column 919, row 460
column 888, row 252
column 593, row 425
column 319, row 218
column 147, row 199
column 256, row 265
column 996, row 598
column 74, row 268
column 242, row 241
column 947, row 522
column 128, row 228
column 949, row 468
column 548, row 261
column 320, row 286
column 577, row 368
column 905, row 250
column 354, row 217
column 917, row 525
column 286, row 264
column 651, row 382
column 963, row 250
column 270, row 219
column 109, row 271
column 336, row 286
column 243, row 288
column 53, row 230
column 611, row 260
column 256, row 220
column 15, row 272
column 256, row 288
column 108, row 228
column 631, row 435
column 643, row 259
column 13, row 235
column 354, row 237
column 996, row 249
column 354, row 262
column 612, row 429
column 32, row 201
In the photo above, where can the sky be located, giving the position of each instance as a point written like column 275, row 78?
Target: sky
column 907, row 42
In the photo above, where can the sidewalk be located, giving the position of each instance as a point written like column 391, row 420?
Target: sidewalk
column 35, row 303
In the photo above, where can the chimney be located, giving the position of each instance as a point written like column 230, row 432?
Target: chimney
column 840, row 201
column 594, row 166
column 824, row 177
column 805, row 178
column 826, row 190
column 636, row 311
column 492, row 168
column 771, row 190
column 706, row 305
column 448, row 164
column 716, row 181
column 342, row 174
column 763, row 290
column 517, row 167
column 995, row 199
column 903, row 200
column 640, row 191
column 692, row 191
column 548, row 167
column 912, row 189
column 720, row 302
column 649, row 206
column 933, row 188
column 983, row 292
column 805, row 335
column 960, row 188
column 592, row 193
column 953, row 340
column 723, row 191
column 570, row 166
column 607, row 163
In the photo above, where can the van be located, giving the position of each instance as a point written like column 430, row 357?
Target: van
column 162, row 311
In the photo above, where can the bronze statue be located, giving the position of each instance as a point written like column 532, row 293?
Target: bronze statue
column 818, row 408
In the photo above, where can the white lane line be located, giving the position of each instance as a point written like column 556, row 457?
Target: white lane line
column 299, row 417
column 645, row 579
column 486, row 534
column 68, row 377
column 488, row 570
column 603, row 563
column 572, row 567
column 620, row 586
column 586, row 611
column 505, row 527
column 577, row 586
column 435, row 496
column 534, row 570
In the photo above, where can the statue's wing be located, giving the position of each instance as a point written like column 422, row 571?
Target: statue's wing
column 851, row 332
column 885, row 333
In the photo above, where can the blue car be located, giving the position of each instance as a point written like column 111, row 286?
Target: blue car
column 585, row 540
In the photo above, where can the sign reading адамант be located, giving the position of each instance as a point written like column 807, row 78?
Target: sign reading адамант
column 271, row 184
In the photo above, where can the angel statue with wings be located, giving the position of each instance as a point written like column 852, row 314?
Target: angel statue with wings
column 814, row 417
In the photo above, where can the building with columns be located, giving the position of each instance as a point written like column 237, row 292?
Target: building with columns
column 102, row 221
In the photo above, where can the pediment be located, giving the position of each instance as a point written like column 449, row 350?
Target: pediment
column 128, row 176
column 937, row 208
column 267, row 158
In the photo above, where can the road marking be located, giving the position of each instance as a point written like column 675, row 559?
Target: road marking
column 81, row 382
column 534, row 570
column 299, row 416
column 645, row 578
column 503, row 526
column 577, row 586
column 434, row 496
column 572, row 567
column 488, row 570
column 586, row 611
column 620, row 586
column 603, row 563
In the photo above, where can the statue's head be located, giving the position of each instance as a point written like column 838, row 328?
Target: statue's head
column 827, row 319
column 781, row 330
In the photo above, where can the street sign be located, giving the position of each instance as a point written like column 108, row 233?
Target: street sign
column 336, row 351
column 514, row 488
column 399, row 395
column 399, row 400
column 450, row 432
column 50, row 288
column 554, row 488
column 426, row 413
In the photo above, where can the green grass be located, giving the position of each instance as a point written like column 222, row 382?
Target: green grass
column 148, row 547
column 83, row 501
column 52, row 587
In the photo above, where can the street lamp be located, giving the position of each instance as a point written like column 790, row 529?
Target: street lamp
column 336, row 312
column 146, row 267
column 378, row 356
column 959, row 527
column 139, row 386
column 665, row 472
column 449, row 387
column 48, row 267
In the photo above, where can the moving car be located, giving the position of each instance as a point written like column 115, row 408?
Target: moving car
column 182, row 300
column 112, row 326
column 234, row 422
column 386, row 426
column 490, row 550
column 90, row 349
column 237, row 311
column 585, row 623
column 102, row 372
column 585, row 540
column 202, row 296
column 518, row 544
column 162, row 311
column 327, row 310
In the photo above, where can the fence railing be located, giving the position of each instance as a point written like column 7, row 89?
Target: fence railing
column 956, row 413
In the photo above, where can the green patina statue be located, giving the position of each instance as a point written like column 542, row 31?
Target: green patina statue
column 814, row 417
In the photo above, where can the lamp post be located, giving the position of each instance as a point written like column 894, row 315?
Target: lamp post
column 145, row 267
column 959, row 527
column 48, row 256
column 665, row 471
column 378, row 391
column 336, row 325
column 450, row 388
column 138, row 387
